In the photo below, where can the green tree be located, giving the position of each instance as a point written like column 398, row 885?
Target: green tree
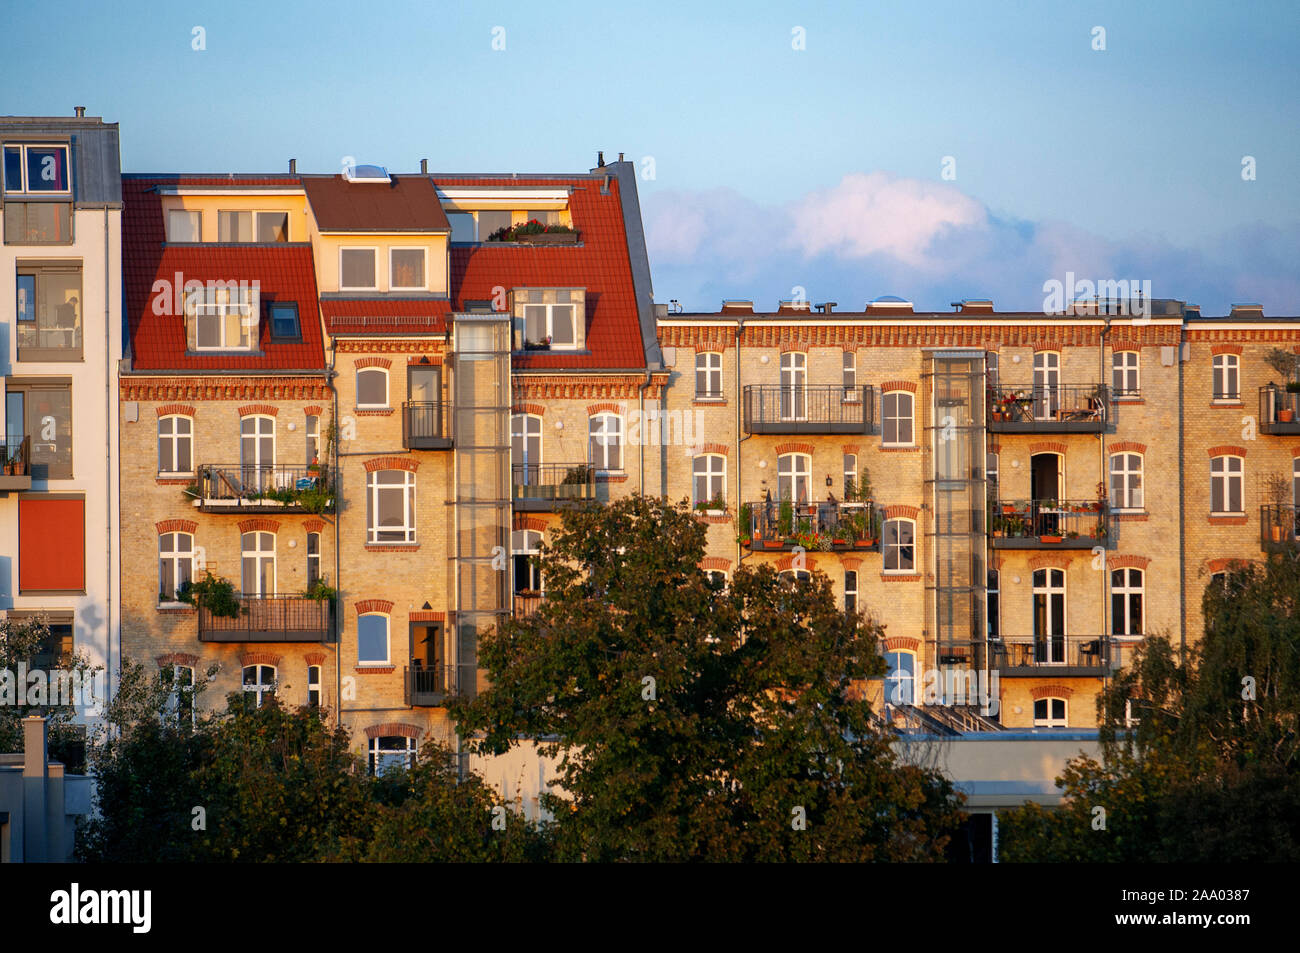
column 693, row 721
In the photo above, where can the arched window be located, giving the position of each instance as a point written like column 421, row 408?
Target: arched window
column 850, row 377
column 896, row 409
column 708, row 376
column 1126, row 595
column 258, row 564
column 794, row 576
column 372, row 639
column 525, row 545
column 1227, row 476
column 259, row 682
column 605, row 441
column 1050, row 713
column 1126, row 481
column 1124, row 374
column 794, row 378
column 794, row 477
column 372, row 387
column 850, row 590
column 899, row 546
column 390, row 506
column 900, row 678
column 257, row 452
column 313, row 559
column 1047, row 385
column 391, row 752
column 175, row 564
column 717, row 578
column 526, row 448
column 313, row 686
column 709, row 478
column 175, row 444
column 1227, row 377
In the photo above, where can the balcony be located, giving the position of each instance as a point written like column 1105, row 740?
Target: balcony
column 1279, row 410
column 769, row 526
column 526, row 603
column 234, row 488
column 772, row 408
column 428, row 686
column 1279, row 528
column 17, row 467
column 271, row 619
column 426, row 425
column 1065, row 656
column 1060, row 408
column 543, row 487
column 1050, row 524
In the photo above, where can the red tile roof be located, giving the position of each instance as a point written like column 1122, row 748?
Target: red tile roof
column 600, row 264
column 384, row 315
column 283, row 273
column 407, row 203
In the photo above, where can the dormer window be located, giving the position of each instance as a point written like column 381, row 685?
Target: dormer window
column 36, row 170
column 222, row 317
column 272, row 227
column 357, row 269
column 553, row 318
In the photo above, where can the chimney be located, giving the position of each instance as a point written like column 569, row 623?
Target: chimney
column 293, row 166
column 826, row 307
column 79, row 111
column 424, row 167
column 620, row 157
column 600, row 159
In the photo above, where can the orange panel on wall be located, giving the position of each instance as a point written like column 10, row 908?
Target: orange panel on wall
column 51, row 545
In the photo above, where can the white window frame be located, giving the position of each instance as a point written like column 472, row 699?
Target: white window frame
column 897, row 417
column 1047, row 385
column 1130, row 496
column 794, row 468
column 261, row 557
column 259, row 687
column 888, row 548
column 1221, row 471
column 374, row 252
column 1050, row 720
column 522, row 428
column 174, row 440
column 257, row 225
column 375, row 754
column 259, row 459
column 1126, row 589
column 599, row 432
column 387, row 660
column 314, row 685
column 387, row 388
column 709, row 363
column 1225, row 368
column 178, row 688
column 1122, row 369
column 373, row 489
column 714, row 470
column 313, row 559
column 424, row 268
column 311, row 433
column 1049, row 590
column 550, row 307
column 849, row 371
column 219, row 304
column 252, row 226
column 851, row 576
column 892, row 677
column 794, row 386
column 851, row 472
column 176, row 557
column 197, row 214
column 527, row 543
column 25, row 188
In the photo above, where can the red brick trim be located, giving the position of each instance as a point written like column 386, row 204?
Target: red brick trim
column 899, row 577
column 787, row 562
column 1227, row 520
column 1226, row 450
column 902, row 511
column 1225, row 565
column 719, row 448
column 260, row 524
column 179, row 481
column 604, row 407
column 313, row 526
column 1127, row 446
column 1132, row 517
column 260, row 658
column 269, row 410
column 307, row 387
column 386, row 412
column 1127, row 561
column 391, row 463
column 167, row 410
column 1051, row 691
column 528, row 408
column 715, row 563
column 176, row 610
column 315, row 658
column 1128, row 401
column 793, row 447
column 313, row 411
column 175, row 526
column 1060, row 560
column 1048, row 447
column 1225, row 349
column 1295, row 451
column 530, row 522
column 424, row 360
column 898, row 385
column 900, row 449
column 392, row 547
column 394, row 728
column 177, row 658
column 373, row 605
column 711, row 519
column 854, row 448
column 850, row 562
column 427, row 615
column 364, row 362
column 901, row 643
column 1047, row 346
column 375, row 669
column 613, row 477
column 788, row 347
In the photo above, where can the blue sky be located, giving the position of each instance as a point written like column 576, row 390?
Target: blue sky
column 774, row 168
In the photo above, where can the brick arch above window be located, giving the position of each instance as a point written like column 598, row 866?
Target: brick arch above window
column 1226, row 451
column 536, row 410
column 260, row 658
column 851, row 563
column 712, row 448
column 391, row 463
column 536, row 523
column 390, row 728
column 261, row 525
column 1047, row 447
column 168, row 410
column 1127, row 561
column 786, row 563
column 604, row 407
column 313, row 526
column 176, row 526
column 373, row 605
column 177, row 658
column 267, row 410
column 901, row 643
column 851, row 448
column 901, row 511
column 315, row 658
column 1051, row 347
column 1127, row 446
column 715, row 564
column 313, row 410
column 1226, row 349
column 428, row 615
column 1225, row 564
column 364, row 362
column 794, row 347
column 783, row 448
column 1053, row 560
column 1050, row 691
column 898, row 385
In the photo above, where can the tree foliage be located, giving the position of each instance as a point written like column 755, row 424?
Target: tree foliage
column 694, row 721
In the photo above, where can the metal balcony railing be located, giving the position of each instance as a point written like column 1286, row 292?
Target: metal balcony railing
column 544, row 485
column 832, row 408
column 426, row 425
column 1044, row 652
column 1056, row 524
column 1048, row 408
column 768, row 524
column 270, row 619
column 1279, row 410
column 223, row 487
column 1279, row 527
column 16, row 469
column 428, row 686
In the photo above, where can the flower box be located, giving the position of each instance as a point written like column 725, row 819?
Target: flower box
column 1050, row 539
column 548, row 238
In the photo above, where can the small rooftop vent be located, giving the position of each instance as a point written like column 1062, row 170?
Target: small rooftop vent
column 976, row 305
column 891, row 303
column 786, row 307
column 1247, row 309
column 366, row 173
column 737, row 306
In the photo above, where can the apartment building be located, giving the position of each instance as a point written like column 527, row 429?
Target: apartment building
column 1020, row 498
column 60, row 341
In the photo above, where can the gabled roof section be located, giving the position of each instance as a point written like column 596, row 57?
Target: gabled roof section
column 283, row 272
column 407, row 203
column 600, row 263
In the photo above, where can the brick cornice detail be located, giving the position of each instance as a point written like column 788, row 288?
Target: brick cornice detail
column 898, row 385
column 1059, row 560
column 1226, row 450
column 394, row 728
column 427, row 615
column 1050, row 691
column 373, row 605
column 313, row 410
column 364, row 362
column 900, row 449
column 605, row 406
column 166, row 410
column 177, row 658
column 577, row 387
column 902, row 511
column 900, row 577
column 1127, row 446
column 1226, row 520
column 537, row 523
column 391, row 463
column 369, row 345
column 176, row 526
column 313, row 526
column 715, row 563
column 260, row 524
column 793, row 447
column 1226, row 349
column 698, row 339
column 315, row 658
column 260, row 658
column 392, row 547
column 270, row 410
column 787, row 563
column 1047, row 447
column 528, row 407
column 203, row 389
column 901, row 643
column 719, row 448
column 375, row 412
column 1127, row 561
column 375, row 669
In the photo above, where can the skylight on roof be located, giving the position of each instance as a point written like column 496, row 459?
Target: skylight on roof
column 366, row 173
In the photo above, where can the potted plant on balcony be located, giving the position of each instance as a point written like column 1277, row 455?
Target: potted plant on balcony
column 320, row 591
column 785, row 518
column 999, row 526
column 213, row 593
column 1277, row 488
